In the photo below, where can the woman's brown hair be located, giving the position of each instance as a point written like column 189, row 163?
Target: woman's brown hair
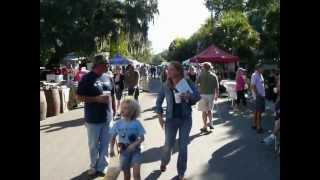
column 178, row 66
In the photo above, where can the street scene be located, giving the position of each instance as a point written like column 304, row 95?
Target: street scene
column 158, row 89
column 232, row 151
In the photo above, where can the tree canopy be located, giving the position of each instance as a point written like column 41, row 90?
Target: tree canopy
column 90, row 26
column 249, row 29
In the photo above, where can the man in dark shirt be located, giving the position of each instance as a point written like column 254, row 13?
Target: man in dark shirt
column 91, row 91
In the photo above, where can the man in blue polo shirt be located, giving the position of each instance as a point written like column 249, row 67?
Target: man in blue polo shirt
column 96, row 113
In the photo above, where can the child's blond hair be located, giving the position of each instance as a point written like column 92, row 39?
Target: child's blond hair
column 133, row 106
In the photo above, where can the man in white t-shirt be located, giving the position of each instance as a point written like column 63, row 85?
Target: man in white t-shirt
column 258, row 92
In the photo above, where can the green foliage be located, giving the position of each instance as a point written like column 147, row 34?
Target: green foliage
column 219, row 6
column 264, row 16
column 247, row 28
column 157, row 59
column 235, row 31
column 93, row 26
column 271, row 45
column 45, row 56
column 231, row 32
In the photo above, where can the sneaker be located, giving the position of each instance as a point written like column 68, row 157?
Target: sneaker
column 100, row 174
column 269, row 140
column 211, row 126
column 204, row 130
column 163, row 168
column 91, row 172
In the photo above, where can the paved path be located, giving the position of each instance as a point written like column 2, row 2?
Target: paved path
column 231, row 152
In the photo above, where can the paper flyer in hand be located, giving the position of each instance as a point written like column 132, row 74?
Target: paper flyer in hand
column 183, row 86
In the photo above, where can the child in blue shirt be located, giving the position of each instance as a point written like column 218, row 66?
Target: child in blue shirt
column 130, row 133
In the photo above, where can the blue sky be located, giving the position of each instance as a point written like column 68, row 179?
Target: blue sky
column 177, row 18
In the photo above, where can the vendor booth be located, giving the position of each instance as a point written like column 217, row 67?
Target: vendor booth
column 229, row 62
column 119, row 60
column 214, row 55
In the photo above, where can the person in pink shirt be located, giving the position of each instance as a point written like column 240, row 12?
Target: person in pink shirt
column 241, row 87
column 82, row 71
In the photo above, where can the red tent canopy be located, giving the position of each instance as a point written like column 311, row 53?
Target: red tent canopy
column 215, row 55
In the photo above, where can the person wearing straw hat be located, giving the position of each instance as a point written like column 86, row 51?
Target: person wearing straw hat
column 96, row 115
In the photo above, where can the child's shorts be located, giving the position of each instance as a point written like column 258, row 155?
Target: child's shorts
column 128, row 159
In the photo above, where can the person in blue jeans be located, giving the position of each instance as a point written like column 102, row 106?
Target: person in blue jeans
column 96, row 115
column 178, row 116
column 130, row 134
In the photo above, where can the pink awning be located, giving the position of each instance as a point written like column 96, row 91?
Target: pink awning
column 215, row 55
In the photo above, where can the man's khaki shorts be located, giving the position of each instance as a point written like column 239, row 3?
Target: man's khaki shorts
column 206, row 103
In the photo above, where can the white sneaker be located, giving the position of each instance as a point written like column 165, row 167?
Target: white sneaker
column 105, row 170
column 91, row 172
column 269, row 140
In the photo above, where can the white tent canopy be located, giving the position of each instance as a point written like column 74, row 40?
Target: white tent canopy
column 164, row 63
column 72, row 57
column 135, row 62
column 186, row 61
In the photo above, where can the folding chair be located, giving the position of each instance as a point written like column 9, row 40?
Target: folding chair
column 232, row 94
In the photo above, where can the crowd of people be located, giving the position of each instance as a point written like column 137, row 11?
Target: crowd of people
column 110, row 116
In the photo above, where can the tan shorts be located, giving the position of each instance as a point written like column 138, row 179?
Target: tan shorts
column 206, row 102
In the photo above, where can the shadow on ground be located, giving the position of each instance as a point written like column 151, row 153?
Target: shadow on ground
column 82, row 176
column 149, row 109
column 154, row 175
column 151, row 118
column 61, row 125
column 236, row 160
column 154, row 154
column 245, row 157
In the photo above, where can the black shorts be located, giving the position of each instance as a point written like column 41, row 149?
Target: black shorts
column 260, row 104
column 119, row 94
column 134, row 92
